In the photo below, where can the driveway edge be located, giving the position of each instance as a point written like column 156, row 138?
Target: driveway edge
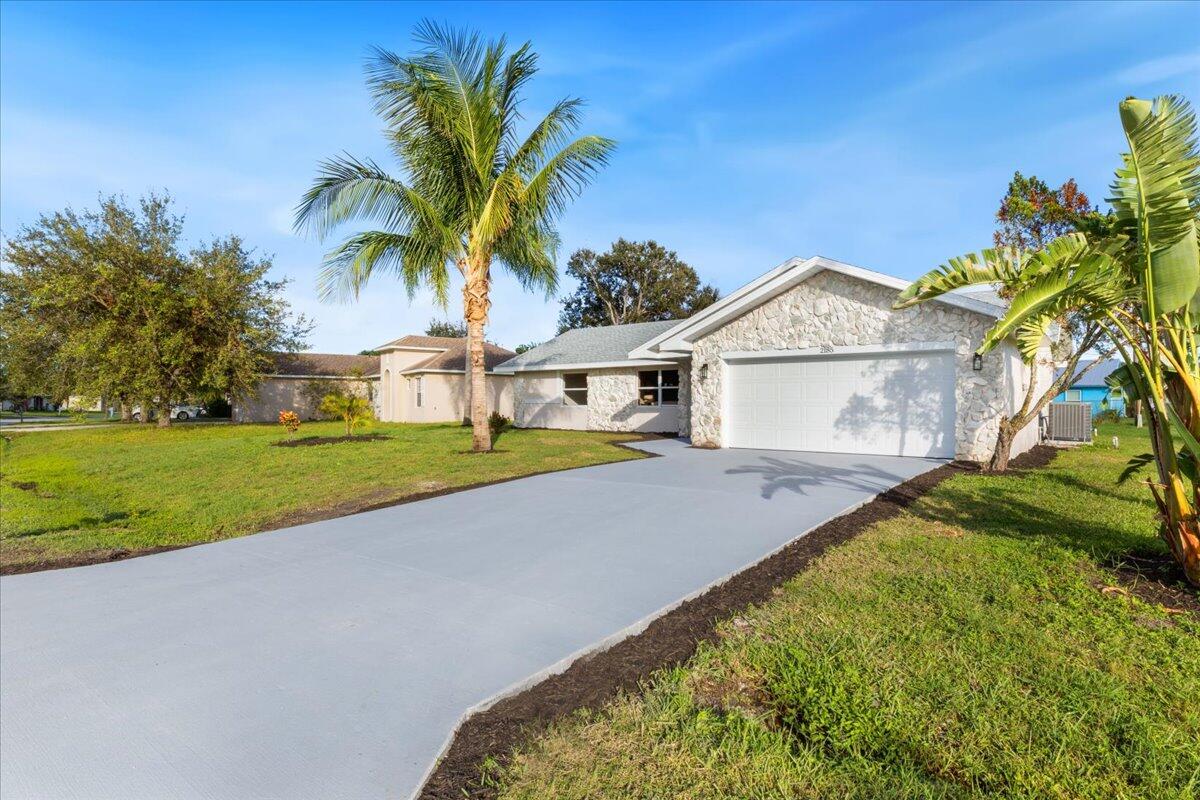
column 668, row 636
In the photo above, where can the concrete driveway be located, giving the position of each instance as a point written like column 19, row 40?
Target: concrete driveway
column 333, row 660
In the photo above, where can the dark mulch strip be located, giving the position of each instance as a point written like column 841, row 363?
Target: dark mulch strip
column 312, row 440
column 85, row 559
column 669, row 640
column 1156, row 579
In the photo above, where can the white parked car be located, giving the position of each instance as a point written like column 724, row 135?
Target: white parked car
column 180, row 412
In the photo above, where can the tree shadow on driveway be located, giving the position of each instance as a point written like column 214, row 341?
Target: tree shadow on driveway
column 799, row 475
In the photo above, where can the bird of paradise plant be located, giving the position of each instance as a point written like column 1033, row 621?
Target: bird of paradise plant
column 1140, row 283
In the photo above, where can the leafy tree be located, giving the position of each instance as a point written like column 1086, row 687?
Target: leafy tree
column 475, row 193
column 632, row 282
column 351, row 408
column 1141, row 283
column 523, row 348
column 444, row 327
column 1031, row 216
column 118, row 310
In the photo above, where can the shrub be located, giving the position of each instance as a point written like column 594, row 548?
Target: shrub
column 498, row 423
column 1107, row 415
column 355, row 411
column 290, row 421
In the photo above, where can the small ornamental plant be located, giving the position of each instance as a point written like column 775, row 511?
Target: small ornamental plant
column 290, row 421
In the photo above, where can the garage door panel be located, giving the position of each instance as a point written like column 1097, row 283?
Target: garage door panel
column 893, row 404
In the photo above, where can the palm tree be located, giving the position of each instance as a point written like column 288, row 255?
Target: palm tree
column 1141, row 284
column 473, row 193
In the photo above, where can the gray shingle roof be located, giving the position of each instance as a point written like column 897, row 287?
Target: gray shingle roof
column 589, row 346
column 1096, row 376
column 327, row 364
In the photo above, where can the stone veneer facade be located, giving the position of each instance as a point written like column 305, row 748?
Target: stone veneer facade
column 836, row 310
column 612, row 402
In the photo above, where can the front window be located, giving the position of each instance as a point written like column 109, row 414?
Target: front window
column 1074, row 395
column 420, row 387
column 575, row 389
column 658, row 387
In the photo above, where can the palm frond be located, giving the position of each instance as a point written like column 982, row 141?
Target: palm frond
column 1156, row 194
column 346, row 188
column 990, row 266
column 528, row 250
column 563, row 176
column 1031, row 334
column 1093, row 284
column 348, row 268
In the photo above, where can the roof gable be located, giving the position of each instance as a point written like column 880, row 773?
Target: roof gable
column 417, row 342
column 454, row 358
column 678, row 339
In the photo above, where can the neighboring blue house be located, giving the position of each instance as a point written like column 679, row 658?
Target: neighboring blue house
column 1091, row 388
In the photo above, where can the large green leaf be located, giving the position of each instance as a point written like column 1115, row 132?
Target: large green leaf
column 991, row 266
column 1122, row 378
column 1086, row 284
column 1156, row 192
column 1189, row 439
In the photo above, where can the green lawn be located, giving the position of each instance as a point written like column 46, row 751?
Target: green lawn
column 82, row 494
column 964, row 649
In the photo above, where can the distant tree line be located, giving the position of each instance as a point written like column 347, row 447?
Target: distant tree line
column 108, row 303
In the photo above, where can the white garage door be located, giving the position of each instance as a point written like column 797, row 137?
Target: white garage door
column 889, row 405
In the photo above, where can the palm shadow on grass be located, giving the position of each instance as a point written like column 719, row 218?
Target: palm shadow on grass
column 86, row 523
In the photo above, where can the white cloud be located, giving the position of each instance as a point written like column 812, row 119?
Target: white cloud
column 1161, row 69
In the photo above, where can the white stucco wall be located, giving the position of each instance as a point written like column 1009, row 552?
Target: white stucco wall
column 837, row 310
column 612, row 403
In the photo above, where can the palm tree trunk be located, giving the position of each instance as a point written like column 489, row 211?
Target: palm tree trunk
column 475, row 308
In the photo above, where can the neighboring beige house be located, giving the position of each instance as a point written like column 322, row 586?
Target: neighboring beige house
column 283, row 389
column 808, row 357
column 422, row 379
column 413, row 379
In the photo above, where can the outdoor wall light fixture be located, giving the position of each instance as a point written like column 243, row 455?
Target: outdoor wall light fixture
column 703, row 371
column 977, row 362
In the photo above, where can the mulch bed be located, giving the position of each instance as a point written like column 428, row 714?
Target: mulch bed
column 312, row 440
column 1156, row 579
column 669, row 640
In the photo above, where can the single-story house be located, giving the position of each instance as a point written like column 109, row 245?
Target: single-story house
column 34, row 402
column 1092, row 389
column 423, row 379
column 810, row 356
column 293, row 377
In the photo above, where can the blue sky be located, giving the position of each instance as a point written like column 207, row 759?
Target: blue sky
column 878, row 134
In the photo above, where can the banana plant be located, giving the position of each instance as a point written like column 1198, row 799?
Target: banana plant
column 1141, row 284
column 1014, row 270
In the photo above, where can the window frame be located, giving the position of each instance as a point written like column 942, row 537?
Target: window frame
column 658, row 387
column 565, row 391
column 420, row 379
column 1078, row 395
